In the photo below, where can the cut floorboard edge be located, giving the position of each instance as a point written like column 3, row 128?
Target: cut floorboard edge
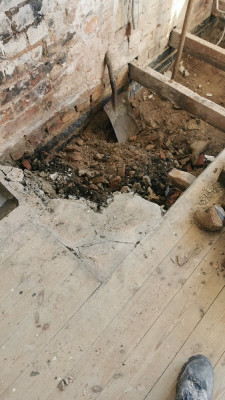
column 151, row 247
column 179, row 95
column 200, row 48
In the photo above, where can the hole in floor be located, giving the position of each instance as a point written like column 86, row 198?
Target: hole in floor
column 94, row 165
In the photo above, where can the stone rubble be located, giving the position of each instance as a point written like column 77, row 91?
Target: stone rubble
column 209, row 218
column 180, row 179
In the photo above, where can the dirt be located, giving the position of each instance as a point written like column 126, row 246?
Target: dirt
column 204, row 79
column 215, row 33
column 94, row 165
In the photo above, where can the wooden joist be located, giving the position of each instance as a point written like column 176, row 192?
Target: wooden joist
column 179, row 95
column 200, row 48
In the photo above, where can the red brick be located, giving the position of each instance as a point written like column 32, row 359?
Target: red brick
column 26, row 164
column 37, row 137
column 69, row 116
column 55, row 125
column 96, row 93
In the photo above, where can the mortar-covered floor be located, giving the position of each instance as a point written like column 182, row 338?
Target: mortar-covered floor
column 112, row 303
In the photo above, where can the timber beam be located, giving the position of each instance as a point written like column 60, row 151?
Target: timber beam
column 179, row 95
column 200, row 48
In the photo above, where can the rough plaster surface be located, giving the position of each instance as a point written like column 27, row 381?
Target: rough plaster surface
column 52, row 52
column 102, row 241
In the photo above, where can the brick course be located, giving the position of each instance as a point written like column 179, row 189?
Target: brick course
column 52, row 57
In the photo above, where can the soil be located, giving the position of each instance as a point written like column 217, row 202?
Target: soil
column 206, row 80
column 214, row 34
column 94, row 165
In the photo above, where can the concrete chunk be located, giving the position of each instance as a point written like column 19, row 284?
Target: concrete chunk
column 180, row 179
column 210, row 219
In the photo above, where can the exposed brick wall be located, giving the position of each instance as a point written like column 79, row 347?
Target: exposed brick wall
column 52, row 52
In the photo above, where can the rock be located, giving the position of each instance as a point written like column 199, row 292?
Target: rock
column 201, row 161
column 93, row 187
column 168, row 74
column 221, row 178
column 197, row 147
column 132, row 173
column 74, row 157
column 15, row 175
column 152, row 195
column 125, row 189
column 26, row 164
column 153, row 136
column 71, row 148
column 79, row 142
column 34, row 373
column 48, row 189
column 98, row 157
column 149, row 147
column 61, row 385
column 136, row 187
column 146, row 180
column 180, row 179
column 100, row 179
column 209, row 219
column 186, row 73
column 154, row 125
column 132, row 138
column 54, row 176
column 182, row 69
column 209, row 158
column 86, row 172
column 121, row 168
column 115, row 183
column 192, row 125
column 162, row 155
column 208, row 94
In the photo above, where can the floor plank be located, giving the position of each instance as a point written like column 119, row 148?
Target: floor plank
column 219, row 373
column 162, row 330
column 70, row 287
column 207, row 339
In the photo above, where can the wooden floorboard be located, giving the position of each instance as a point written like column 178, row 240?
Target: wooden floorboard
column 207, row 339
column 161, row 343
column 219, row 373
column 126, row 338
column 51, row 280
column 146, row 329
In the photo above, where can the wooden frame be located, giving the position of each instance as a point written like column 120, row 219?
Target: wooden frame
column 200, row 48
column 179, row 95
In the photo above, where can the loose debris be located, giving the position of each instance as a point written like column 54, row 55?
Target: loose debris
column 64, row 382
column 180, row 179
column 34, row 373
column 211, row 219
column 94, row 166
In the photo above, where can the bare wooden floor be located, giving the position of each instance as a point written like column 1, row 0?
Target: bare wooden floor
column 126, row 338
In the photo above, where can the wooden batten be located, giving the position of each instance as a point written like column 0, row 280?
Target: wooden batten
column 200, row 48
column 179, row 95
